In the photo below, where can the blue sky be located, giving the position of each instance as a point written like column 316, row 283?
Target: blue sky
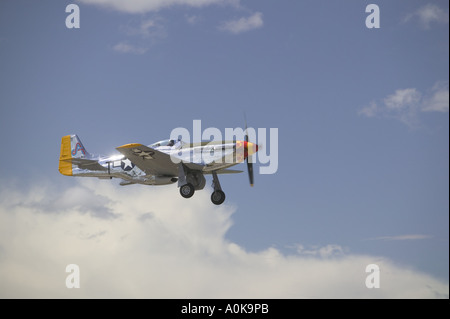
column 362, row 117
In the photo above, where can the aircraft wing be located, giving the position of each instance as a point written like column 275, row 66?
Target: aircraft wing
column 152, row 161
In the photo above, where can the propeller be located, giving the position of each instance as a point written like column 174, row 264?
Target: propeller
column 250, row 149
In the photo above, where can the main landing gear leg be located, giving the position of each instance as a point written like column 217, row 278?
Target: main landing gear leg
column 218, row 196
column 186, row 189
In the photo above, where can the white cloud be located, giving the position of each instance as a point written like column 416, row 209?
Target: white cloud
column 159, row 245
column 402, row 99
column 147, row 28
column 402, row 237
column 192, row 19
column 143, row 6
column 326, row 251
column 438, row 100
column 144, row 33
column 255, row 21
column 124, row 47
column 427, row 15
column 406, row 104
column 370, row 110
column 403, row 105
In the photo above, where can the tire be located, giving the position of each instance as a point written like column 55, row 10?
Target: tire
column 187, row 190
column 218, row 197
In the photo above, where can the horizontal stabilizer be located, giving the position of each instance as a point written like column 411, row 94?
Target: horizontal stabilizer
column 86, row 164
column 225, row 171
column 126, row 183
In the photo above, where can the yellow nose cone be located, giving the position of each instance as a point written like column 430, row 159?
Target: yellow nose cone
column 251, row 148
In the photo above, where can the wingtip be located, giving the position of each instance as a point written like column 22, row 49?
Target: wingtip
column 129, row 145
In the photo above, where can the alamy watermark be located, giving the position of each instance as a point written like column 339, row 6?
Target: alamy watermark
column 73, row 19
column 229, row 147
column 73, row 280
column 372, row 20
column 373, row 279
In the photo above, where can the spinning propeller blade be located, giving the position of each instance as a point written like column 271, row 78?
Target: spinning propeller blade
column 250, row 149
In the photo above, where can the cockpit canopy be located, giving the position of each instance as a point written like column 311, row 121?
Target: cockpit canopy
column 168, row 143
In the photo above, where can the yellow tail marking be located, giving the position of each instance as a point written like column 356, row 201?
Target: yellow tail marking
column 65, row 158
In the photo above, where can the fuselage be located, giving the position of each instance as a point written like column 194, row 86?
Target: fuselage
column 212, row 156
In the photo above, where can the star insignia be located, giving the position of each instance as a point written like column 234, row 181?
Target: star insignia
column 127, row 165
column 143, row 154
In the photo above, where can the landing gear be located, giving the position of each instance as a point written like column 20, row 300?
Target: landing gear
column 187, row 190
column 189, row 181
column 218, row 196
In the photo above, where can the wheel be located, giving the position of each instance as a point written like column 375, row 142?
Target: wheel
column 187, row 190
column 218, row 197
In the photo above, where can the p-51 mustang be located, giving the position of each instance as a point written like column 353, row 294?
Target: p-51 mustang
column 161, row 163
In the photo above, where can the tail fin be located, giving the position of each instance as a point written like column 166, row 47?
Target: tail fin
column 77, row 149
column 71, row 147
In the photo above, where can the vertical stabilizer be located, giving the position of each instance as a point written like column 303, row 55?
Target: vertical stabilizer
column 71, row 147
column 77, row 149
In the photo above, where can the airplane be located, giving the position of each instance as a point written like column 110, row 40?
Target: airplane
column 161, row 163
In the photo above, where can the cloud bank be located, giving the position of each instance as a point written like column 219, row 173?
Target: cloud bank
column 148, row 242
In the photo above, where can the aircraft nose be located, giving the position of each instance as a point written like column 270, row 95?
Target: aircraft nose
column 251, row 148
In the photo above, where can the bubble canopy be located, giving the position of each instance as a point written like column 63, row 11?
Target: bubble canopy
column 167, row 142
